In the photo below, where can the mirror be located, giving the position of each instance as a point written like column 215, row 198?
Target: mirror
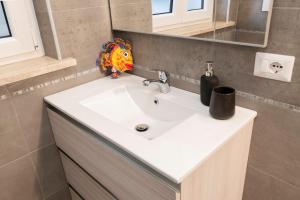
column 243, row 22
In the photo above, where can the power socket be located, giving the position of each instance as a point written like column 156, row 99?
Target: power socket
column 274, row 66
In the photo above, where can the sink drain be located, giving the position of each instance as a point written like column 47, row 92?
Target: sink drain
column 141, row 127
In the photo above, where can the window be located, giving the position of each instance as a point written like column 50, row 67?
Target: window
column 195, row 5
column 19, row 33
column 176, row 13
column 162, row 7
column 4, row 26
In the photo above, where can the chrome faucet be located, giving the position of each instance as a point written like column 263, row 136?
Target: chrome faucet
column 163, row 81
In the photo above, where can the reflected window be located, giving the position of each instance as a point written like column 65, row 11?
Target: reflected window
column 195, row 5
column 4, row 26
column 162, row 7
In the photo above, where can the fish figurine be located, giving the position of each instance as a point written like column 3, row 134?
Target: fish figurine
column 116, row 57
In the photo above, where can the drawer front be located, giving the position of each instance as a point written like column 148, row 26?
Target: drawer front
column 120, row 175
column 74, row 195
column 86, row 186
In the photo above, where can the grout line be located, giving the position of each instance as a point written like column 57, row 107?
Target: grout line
column 286, row 8
column 53, row 28
column 246, row 95
column 37, row 174
column 272, row 102
column 27, row 154
column 274, row 177
column 249, row 96
column 54, row 81
column 16, row 115
column 13, row 161
column 37, row 177
column 65, row 187
column 77, row 9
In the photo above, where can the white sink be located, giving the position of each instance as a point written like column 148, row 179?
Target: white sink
column 130, row 106
column 181, row 133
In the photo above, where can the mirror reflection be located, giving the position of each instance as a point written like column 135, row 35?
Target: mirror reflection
column 232, row 21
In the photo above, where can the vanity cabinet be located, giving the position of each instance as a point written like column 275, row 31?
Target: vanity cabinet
column 98, row 169
column 83, row 183
column 119, row 175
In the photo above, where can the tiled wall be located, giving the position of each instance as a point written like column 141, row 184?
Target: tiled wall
column 274, row 163
column 247, row 13
column 221, row 9
column 29, row 164
column 30, row 168
column 251, row 17
column 131, row 15
column 43, row 18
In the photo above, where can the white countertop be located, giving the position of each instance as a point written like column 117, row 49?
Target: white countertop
column 176, row 153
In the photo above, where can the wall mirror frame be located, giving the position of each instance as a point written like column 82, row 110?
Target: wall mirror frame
column 240, row 22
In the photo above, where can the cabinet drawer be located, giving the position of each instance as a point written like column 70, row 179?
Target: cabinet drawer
column 74, row 195
column 85, row 185
column 123, row 177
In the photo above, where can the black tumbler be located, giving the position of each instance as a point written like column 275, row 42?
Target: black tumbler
column 222, row 103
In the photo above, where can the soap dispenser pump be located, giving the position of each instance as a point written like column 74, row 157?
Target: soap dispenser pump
column 208, row 82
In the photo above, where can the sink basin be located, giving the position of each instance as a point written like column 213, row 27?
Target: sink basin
column 181, row 135
column 131, row 106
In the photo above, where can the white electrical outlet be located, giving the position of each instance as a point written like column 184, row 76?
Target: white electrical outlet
column 274, row 66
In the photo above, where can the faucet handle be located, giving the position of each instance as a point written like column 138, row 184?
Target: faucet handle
column 163, row 76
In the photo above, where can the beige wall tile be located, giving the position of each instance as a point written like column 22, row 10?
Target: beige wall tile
column 275, row 147
column 12, row 142
column 178, row 56
column 33, row 120
column 30, row 107
column 42, row 16
column 250, row 16
column 59, row 5
column 49, row 169
column 46, row 34
column 286, row 3
column 260, row 186
column 12, row 146
column 88, row 63
column 8, row 119
column 18, row 181
column 82, row 32
column 64, row 194
column 122, row 2
column 134, row 16
column 40, row 5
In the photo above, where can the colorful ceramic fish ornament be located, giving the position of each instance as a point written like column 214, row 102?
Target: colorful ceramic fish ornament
column 116, row 57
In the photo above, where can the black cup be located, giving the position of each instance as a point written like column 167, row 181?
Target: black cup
column 222, row 103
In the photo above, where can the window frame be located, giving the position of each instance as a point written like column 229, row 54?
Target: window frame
column 181, row 16
column 25, row 41
column 6, row 20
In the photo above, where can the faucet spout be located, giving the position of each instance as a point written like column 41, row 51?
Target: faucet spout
column 147, row 82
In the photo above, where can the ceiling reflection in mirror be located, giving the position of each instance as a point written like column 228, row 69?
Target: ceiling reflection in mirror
column 243, row 22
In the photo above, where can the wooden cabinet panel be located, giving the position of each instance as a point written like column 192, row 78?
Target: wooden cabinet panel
column 85, row 185
column 120, row 175
column 222, row 175
column 74, row 195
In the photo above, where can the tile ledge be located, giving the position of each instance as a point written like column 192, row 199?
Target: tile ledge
column 31, row 68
